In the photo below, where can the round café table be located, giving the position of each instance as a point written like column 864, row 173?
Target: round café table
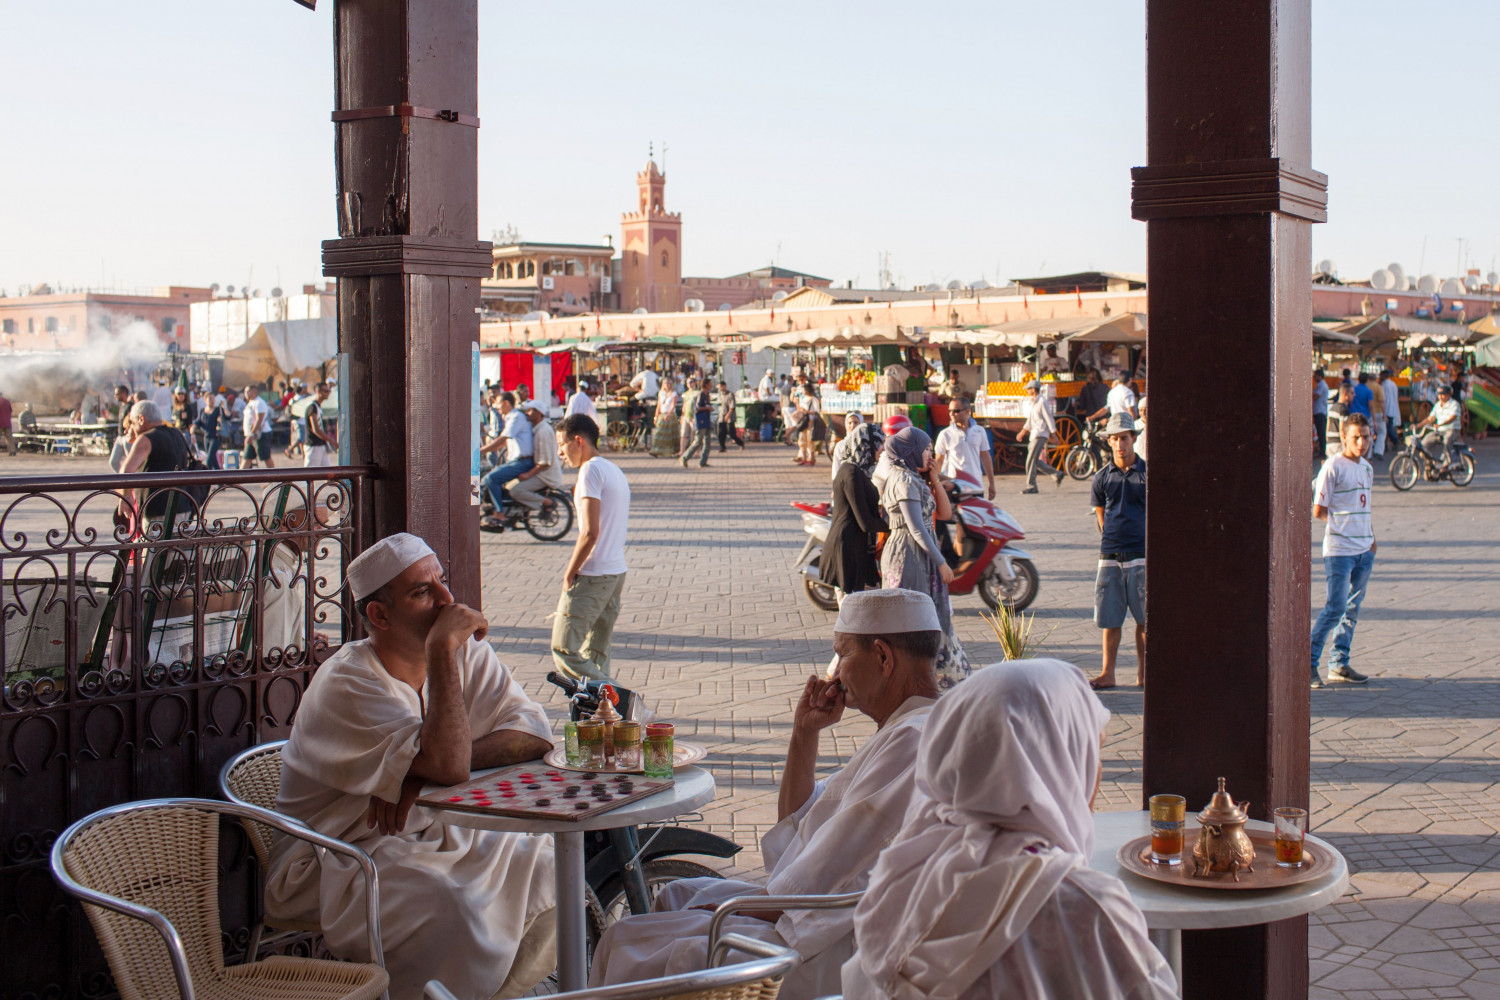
column 692, row 788
column 1171, row 909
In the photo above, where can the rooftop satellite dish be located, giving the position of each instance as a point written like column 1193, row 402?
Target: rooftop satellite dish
column 257, row 293
column 1411, row 283
column 1472, row 282
column 954, row 286
column 1399, row 272
column 228, row 289
column 276, row 293
column 1452, row 288
column 933, row 287
column 693, row 305
column 1428, row 283
column 777, row 297
column 980, row 285
column 1492, row 279
column 214, row 288
column 1382, row 280
column 724, row 307
column 638, row 311
column 1326, row 267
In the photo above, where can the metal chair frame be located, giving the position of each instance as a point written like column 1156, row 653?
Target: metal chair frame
column 257, row 933
column 750, row 904
column 770, row 961
column 159, row 922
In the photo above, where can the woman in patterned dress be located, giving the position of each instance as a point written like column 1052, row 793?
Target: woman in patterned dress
column 912, row 497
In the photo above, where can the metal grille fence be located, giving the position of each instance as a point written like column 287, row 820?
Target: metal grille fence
column 141, row 652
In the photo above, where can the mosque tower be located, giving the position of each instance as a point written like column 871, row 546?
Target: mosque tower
column 651, row 248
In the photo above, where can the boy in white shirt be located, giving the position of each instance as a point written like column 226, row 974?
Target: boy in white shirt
column 1341, row 497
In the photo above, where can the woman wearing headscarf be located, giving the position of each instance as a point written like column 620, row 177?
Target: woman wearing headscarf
column 840, row 453
column 911, row 497
column 666, row 436
column 848, row 559
column 986, row 891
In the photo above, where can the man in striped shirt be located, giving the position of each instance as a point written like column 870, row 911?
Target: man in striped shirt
column 1341, row 498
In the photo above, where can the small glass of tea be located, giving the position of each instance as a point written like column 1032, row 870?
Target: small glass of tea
column 1168, row 813
column 1291, row 828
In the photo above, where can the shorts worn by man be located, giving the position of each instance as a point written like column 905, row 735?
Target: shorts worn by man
column 1341, row 497
column 422, row 700
column 594, row 580
column 830, row 832
column 1119, row 500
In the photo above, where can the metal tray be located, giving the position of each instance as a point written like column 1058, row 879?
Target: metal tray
column 683, row 754
column 1135, row 856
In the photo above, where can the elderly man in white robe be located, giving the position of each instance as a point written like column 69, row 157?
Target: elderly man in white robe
column 987, row 893
column 423, row 699
column 830, row 832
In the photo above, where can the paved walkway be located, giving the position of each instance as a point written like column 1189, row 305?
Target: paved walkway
column 718, row 635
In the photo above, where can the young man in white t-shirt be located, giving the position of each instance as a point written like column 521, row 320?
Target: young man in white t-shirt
column 1341, row 497
column 595, row 577
column 963, row 446
column 257, row 427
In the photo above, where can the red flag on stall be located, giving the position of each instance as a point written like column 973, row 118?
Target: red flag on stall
column 731, row 317
column 1026, row 303
column 934, row 304
column 773, row 314
column 1080, row 296
column 596, row 321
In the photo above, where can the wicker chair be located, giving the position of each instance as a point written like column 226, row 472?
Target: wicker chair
column 756, row 979
column 148, row 875
column 253, row 778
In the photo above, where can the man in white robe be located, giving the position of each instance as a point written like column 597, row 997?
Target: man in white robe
column 830, row 832
column 422, row 700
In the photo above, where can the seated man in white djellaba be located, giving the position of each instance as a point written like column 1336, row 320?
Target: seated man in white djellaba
column 423, row 699
column 987, row 894
column 830, row 832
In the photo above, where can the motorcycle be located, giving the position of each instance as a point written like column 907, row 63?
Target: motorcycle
column 550, row 523
column 625, row 867
column 1413, row 463
column 989, row 562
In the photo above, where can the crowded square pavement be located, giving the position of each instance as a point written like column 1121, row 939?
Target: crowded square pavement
column 718, row 634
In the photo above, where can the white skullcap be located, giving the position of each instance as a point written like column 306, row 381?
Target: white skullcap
column 887, row 612
column 383, row 562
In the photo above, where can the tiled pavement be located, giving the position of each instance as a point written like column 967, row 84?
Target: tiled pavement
column 716, row 632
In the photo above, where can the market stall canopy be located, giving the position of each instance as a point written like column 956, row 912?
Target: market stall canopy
column 1486, row 326
column 1457, row 332
column 859, row 335
column 1487, row 352
column 1130, row 327
column 285, row 347
column 1332, row 332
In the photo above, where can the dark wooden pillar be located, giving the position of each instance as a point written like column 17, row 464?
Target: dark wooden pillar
column 1229, row 198
column 408, row 263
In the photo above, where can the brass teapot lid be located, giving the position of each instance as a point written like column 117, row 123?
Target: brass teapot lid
column 1222, row 809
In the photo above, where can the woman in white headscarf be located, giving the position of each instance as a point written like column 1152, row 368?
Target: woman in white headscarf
column 986, row 893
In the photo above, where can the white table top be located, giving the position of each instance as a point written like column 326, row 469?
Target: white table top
column 692, row 787
column 1181, row 908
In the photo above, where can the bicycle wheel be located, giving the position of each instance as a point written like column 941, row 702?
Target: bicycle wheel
column 1403, row 472
column 1462, row 473
column 1080, row 463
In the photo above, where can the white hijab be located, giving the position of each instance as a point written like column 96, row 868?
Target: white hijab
column 1005, row 772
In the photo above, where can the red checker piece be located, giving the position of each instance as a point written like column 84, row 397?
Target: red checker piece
column 455, row 798
column 508, row 795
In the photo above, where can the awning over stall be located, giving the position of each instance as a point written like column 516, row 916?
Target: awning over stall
column 1127, row 328
column 857, row 335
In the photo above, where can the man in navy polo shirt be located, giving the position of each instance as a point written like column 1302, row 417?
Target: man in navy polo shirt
column 1119, row 498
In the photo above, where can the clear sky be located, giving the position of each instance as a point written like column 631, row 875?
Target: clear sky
column 188, row 141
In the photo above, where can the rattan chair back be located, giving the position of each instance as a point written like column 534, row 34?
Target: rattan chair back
column 254, row 777
column 166, row 859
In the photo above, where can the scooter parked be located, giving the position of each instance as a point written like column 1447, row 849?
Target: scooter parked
column 989, row 561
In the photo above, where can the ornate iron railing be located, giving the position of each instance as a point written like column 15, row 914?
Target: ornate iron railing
column 142, row 649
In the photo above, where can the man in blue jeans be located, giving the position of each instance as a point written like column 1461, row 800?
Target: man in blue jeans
column 515, row 438
column 1341, row 498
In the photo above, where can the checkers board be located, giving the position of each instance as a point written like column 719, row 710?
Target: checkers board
column 535, row 791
